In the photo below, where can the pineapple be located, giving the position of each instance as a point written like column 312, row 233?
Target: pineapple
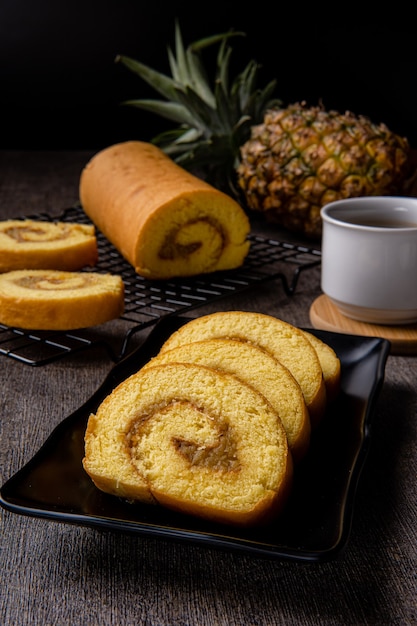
column 300, row 158
column 283, row 162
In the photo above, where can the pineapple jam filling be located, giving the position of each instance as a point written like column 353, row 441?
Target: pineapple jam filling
column 221, row 456
column 198, row 438
column 25, row 234
column 48, row 283
column 186, row 239
column 197, row 236
column 34, row 232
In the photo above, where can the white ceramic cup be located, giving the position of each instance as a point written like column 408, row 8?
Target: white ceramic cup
column 369, row 258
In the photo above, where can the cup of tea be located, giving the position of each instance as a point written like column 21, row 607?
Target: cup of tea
column 369, row 258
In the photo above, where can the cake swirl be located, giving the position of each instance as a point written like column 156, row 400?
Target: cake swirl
column 202, row 236
column 32, row 244
column 33, row 231
column 193, row 439
column 59, row 300
column 53, row 281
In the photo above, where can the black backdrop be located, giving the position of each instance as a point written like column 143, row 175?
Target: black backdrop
column 60, row 87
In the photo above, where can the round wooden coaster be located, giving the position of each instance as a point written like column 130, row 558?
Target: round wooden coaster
column 324, row 315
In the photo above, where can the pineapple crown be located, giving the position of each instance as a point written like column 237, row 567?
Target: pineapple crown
column 213, row 120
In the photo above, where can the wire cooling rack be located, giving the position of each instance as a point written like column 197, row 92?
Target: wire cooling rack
column 147, row 301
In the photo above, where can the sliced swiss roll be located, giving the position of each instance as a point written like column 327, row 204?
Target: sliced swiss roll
column 31, row 244
column 283, row 341
column 259, row 369
column 59, row 300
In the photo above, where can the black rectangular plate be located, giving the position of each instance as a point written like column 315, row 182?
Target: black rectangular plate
column 315, row 524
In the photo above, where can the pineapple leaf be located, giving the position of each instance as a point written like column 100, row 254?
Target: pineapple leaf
column 173, row 111
column 197, row 46
column 180, row 70
column 246, row 83
column 163, row 84
column 225, row 111
column 263, row 100
column 185, row 68
column 177, row 139
column 198, row 78
column 194, row 77
column 204, row 116
column 223, row 63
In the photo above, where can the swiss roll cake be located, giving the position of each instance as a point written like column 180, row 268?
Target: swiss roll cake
column 164, row 221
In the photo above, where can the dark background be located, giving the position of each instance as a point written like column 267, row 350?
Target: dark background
column 60, row 87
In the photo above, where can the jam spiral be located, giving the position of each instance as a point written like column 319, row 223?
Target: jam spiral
column 204, row 235
column 185, row 244
column 28, row 231
column 55, row 281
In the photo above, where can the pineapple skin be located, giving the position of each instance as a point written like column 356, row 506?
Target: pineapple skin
column 300, row 159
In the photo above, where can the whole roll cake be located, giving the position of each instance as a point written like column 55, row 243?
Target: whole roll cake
column 192, row 439
column 162, row 219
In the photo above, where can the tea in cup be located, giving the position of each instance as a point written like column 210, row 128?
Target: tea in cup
column 369, row 258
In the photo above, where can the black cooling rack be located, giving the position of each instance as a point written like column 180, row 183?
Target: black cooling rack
column 147, row 301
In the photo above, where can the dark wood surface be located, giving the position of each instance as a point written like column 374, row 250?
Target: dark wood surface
column 58, row 574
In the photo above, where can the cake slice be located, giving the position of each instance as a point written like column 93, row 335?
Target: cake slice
column 58, row 300
column 330, row 364
column 193, row 439
column 31, row 244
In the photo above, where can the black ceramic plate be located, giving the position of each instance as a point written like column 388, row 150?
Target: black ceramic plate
column 317, row 518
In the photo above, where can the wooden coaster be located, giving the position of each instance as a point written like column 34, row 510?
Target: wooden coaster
column 324, row 315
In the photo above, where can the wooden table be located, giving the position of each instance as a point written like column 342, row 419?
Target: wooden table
column 54, row 573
